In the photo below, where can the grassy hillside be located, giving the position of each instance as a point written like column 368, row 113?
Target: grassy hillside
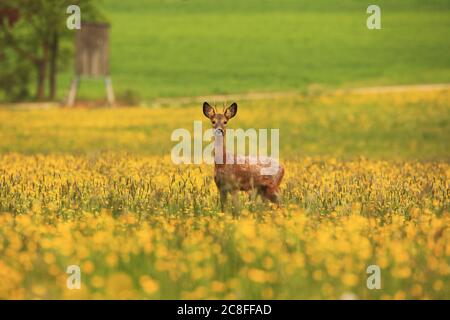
column 197, row 47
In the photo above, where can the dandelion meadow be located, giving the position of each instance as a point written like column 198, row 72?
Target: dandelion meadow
column 367, row 183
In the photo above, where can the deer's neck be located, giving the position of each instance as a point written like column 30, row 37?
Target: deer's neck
column 220, row 152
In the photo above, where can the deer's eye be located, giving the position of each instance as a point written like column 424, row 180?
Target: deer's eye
column 224, row 122
column 214, row 122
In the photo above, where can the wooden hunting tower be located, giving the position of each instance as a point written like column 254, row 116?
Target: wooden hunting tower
column 92, row 58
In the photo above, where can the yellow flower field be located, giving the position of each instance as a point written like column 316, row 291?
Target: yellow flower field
column 140, row 227
column 367, row 185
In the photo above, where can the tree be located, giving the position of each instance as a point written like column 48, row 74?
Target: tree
column 14, row 76
column 35, row 35
column 14, row 73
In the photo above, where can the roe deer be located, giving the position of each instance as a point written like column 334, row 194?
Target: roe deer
column 231, row 175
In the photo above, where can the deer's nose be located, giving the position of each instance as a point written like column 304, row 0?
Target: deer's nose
column 218, row 132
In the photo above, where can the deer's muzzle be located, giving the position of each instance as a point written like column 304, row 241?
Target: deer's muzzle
column 218, row 132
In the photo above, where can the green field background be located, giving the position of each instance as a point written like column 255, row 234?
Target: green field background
column 165, row 48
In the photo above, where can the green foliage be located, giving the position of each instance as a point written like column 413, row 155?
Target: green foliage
column 14, row 77
column 30, row 40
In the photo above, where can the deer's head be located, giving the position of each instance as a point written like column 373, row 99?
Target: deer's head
column 219, row 120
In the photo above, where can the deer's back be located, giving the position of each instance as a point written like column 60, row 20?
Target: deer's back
column 247, row 173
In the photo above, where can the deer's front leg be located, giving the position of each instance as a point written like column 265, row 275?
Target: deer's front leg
column 235, row 208
column 223, row 199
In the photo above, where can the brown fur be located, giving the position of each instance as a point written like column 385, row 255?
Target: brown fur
column 231, row 178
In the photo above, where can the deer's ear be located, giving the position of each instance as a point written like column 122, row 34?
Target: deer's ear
column 208, row 111
column 231, row 111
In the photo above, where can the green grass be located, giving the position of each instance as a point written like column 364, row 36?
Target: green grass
column 185, row 48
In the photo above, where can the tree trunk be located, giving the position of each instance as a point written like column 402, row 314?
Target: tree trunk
column 42, row 73
column 54, row 50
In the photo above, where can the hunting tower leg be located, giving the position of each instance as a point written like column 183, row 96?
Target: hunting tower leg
column 110, row 91
column 73, row 92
